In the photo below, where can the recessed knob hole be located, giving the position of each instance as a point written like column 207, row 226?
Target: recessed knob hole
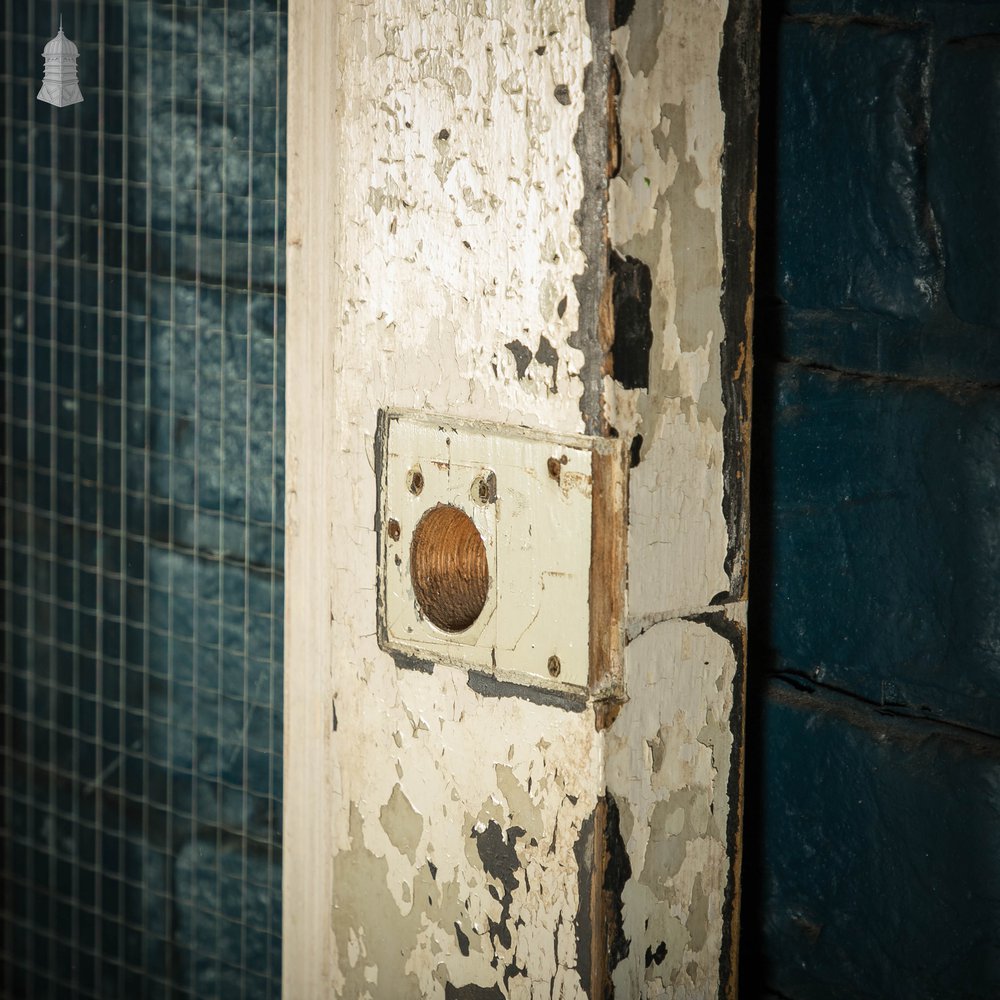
column 449, row 569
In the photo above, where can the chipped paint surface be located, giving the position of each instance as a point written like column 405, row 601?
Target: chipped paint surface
column 666, row 211
column 668, row 761
column 670, row 753
column 429, row 842
column 448, row 858
column 463, row 246
column 445, row 837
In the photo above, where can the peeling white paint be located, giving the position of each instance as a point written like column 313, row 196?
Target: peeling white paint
column 431, row 200
column 458, row 245
column 678, row 805
column 669, row 753
column 455, row 792
column 434, row 836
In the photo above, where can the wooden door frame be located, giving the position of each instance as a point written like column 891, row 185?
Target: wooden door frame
column 582, row 265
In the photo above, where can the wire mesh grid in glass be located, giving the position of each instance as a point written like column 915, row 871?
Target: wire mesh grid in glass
column 142, row 467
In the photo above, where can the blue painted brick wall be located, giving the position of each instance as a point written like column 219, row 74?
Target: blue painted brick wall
column 883, row 835
column 142, row 703
column 963, row 156
column 853, row 228
column 885, row 557
column 874, row 728
column 228, row 921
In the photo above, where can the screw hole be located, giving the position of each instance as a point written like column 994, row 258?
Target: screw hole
column 415, row 482
column 555, row 667
column 484, row 489
column 554, row 465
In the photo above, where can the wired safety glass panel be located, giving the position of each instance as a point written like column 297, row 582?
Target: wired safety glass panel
column 142, row 485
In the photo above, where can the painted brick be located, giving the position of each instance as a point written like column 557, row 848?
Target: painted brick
column 70, row 853
column 228, row 921
column 214, row 702
column 876, row 344
column 148, row 909
column 100, row 794
column 853, row 227
column 884, row 574
column 964, row 151
column 210, row 124
column 877, row 870
column 216, row 453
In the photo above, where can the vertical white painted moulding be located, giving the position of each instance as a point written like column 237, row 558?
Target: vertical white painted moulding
column 501, row 549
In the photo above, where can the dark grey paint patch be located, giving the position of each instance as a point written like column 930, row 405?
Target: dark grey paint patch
column 621, row 11
column 405, row 661
column 739, row 83
column 562, row 93
column 473, row 992
column 555, row 940
column 561, row 308
column 617, row 872
column 591, row 144
column 632, row 297
column 656, row 957
column 739, row 73
column 635, row 451
column 512, row 969
column 463, row 940
column 498, row 853
column 548, row 355
column 490, row 687
column 499, row 857
column 521, row 354
column 333, row 715
column 583, row 853
column 615, row 122
column 433, row 869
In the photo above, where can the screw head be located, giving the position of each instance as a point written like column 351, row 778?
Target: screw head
column 415, row 481
column 393, row 529
column 555, row 667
